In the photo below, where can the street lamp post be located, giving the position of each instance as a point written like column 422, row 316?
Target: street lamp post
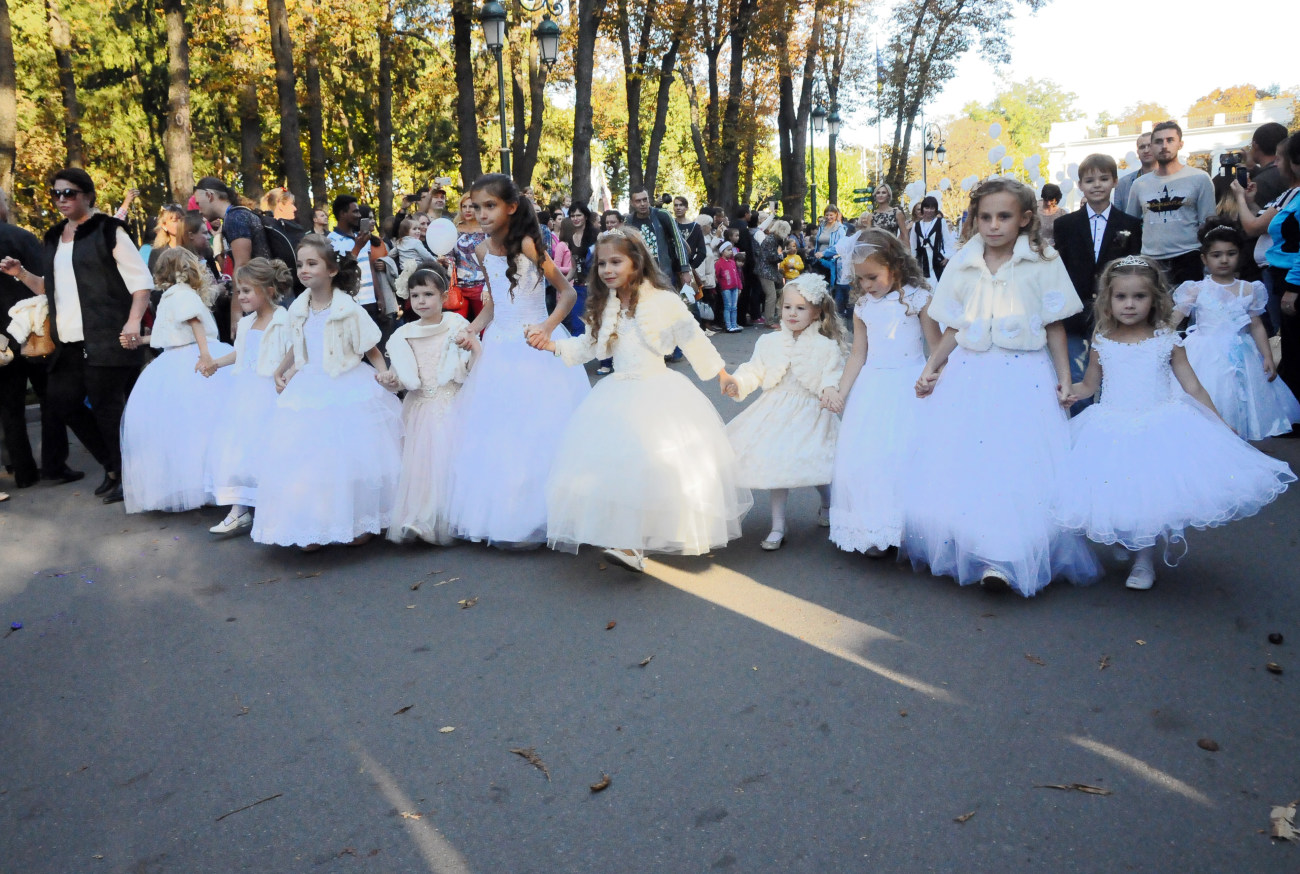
column 493, row 18
column 833, row 128
column 818, row 123
column 933, row 134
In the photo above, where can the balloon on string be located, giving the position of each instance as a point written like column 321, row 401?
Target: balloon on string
column 996, row 153
column 1130, row 158
column 995, row 130
column 1066, row 187
column 945, row 184
column 915, row 191
column 441, row 236
column 1072, row 171
column 1033, row 161
column 969, row 182
column 1060, row 176
column 936, row 194
column 1007, row 162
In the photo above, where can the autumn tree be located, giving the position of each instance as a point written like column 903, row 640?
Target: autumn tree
column 589, row 14
column 8, row 101
column 176, row 136
column 794, row 111
column 1236, row 99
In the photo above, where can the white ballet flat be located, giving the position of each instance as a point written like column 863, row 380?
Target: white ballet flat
column 231, row 524
column 994, row 580
column 630, row 559
column 772, row 544
column 824, row 517
column 1142, row 577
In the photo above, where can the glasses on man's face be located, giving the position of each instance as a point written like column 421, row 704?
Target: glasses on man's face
column 64, row 193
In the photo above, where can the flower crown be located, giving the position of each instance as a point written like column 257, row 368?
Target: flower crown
column 811, row 287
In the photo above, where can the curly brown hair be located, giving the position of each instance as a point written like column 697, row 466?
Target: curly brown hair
column 348, row 278
column 1162, row 302
column 889, row 250
column 1026, row 200
column 177, row 266
column 630, row 242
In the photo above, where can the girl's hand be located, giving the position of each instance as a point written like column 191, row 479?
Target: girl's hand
column 1065, row 397
column 387, row 379
column 463, row 339
column 282, row 379
column 1270, row 369
column 727, row 383
column 205, row 365
column 925, row 384
column 832, row 400
column 540, row 341
column 11, row 266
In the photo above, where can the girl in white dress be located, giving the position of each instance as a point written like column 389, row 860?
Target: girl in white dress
column 261, row 342
column 786, row 439
column 650, row 468
column 172, row 410
column 1228, row 346
column 891, row 328
column 430, row 366
column 332, row 455
column 1148, row 460
column 991, row 438
column 515, row 405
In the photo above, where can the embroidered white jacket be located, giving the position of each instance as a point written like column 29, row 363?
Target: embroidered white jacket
column 271, row 351
column 453, row 366
column 349, row 332
column 662, row 322
column 178, row 305
column 814, row 359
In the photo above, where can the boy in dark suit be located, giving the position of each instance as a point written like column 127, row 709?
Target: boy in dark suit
column 1088, row 239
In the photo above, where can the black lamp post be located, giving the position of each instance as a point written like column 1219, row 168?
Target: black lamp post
column 494, row 20
column 818, row 124
column 933, row 135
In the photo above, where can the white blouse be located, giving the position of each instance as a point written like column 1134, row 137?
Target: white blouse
column 131, row 267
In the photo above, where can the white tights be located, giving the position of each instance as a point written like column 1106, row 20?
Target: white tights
column 779, row 497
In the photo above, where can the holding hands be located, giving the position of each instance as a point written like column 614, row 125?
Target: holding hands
column 925, row 383
column 205, row 365
column 388, row 380
column 282, row 379
column 727, row 383
column 832, row 400
column 536, row 337
column 466, row 339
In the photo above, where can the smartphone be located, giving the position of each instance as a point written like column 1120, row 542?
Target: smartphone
column 1243, row 177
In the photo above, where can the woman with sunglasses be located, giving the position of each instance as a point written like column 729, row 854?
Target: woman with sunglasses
column 97, row 286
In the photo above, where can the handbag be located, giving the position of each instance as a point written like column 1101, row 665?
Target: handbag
column 704, row 311
column 38, row 345
column 455, row 299
column 7, row 353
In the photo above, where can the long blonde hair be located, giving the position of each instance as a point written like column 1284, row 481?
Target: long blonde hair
column 813, row 287
column 1162, row 302
column 630, row 242
column 889, row 250
column 179, row 265
column 1025, row 200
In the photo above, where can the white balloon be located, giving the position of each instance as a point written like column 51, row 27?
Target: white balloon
column 441, row 236
column 945, row 184
column 1036, row 180
column 916, row 190
column 1066, row 187
column 996, row 153
column 1060, row 176
column 1033, row 161
column 1130, row 158
column 936, row 194
column 1007, row 162
column 1072, row 171
column 969, row 182
column 995, row 130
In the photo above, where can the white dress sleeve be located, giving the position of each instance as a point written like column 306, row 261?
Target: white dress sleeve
column 1258, row 299
column 1185, row 297
column 749, row 376
column 704, row 359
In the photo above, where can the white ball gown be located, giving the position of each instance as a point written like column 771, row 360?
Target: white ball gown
column 333, row 454
column 1227, row 361
column 990, row 445
column 879, row 423
column 172, row 412
column 785, row 440
column 1148, row 461
column 512, row 413
column 239, row 438
column 648, row 465
column 428, row 420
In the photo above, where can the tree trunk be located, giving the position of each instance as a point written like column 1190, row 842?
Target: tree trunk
column 462, row 25
column 589, row 15
column 176, row 135
column 793, row 117
column 707, row 172
column 61, row 40
column 250, row 141
column 286, row 88
column 634, row 66
column 528, row 135
column 315, row 108
column 666, row 66
column 8, row 102
column 729, row 157
column 384, row 146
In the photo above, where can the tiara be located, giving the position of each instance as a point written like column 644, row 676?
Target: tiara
column 1133, row 261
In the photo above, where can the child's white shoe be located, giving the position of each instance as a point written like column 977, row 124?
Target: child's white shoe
column 1143, row 575
column 994, row 580
column 824, row 517
column 773, row 541
column 231, row 524
column 628, row 558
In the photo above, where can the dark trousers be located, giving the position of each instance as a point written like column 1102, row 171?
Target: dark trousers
column 13, row 417
column 1186, row 267
column 72, row 382
column 1289, row 331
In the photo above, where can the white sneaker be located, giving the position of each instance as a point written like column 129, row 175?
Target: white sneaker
column 773, row 541
column 231, row 524
column 628, row 558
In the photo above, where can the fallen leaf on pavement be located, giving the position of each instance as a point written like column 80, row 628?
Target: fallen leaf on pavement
column 1273, row 668
column 600, row 566
column 1208, row 745
column 964, row 817
column 403, row 710
column 303, row 576
column 1281, row 821
column 1140, row 642
column 1104, row 663
column 1035, row 659
column 447, row 729
column 602, row 784
column 466, row 603
column 610, row 626
column 446, row 581
column 409, row 815
column 1076, row 787
column 530, row 755
column 416, row 586
column 902, row 713
column 645, row 661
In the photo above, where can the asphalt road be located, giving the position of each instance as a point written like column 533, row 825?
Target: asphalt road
column 175, row 704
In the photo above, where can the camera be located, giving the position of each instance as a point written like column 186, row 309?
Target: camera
column 1231, row 159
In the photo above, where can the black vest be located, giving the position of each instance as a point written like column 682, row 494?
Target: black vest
column 105, row 299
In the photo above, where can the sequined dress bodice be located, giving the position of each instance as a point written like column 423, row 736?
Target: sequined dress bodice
column 1136, row 376
column 510, row 313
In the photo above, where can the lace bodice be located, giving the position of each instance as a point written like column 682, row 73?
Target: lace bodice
column 894, row 338
column 1136, row 376
column 1221, row 307
column 526, row 307
column 428, row 356
column 313, row 332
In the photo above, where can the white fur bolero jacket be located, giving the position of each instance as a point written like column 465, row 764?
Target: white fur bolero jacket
column 349, row 332
column 271, row 351
column 453, row 365
column 815, row 360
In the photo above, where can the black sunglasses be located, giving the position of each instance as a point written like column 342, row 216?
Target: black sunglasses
column 65, row 193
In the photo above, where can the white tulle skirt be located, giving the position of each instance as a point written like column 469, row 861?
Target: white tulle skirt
column 646, row 466
column 167, row 427
column 239, row 440
column 511, row 419
column 332, row 460
column 420, row 511
column 990, row 445
column 1136, row 478
column 870, row 473
column 784, row 439
column 1231, row 369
